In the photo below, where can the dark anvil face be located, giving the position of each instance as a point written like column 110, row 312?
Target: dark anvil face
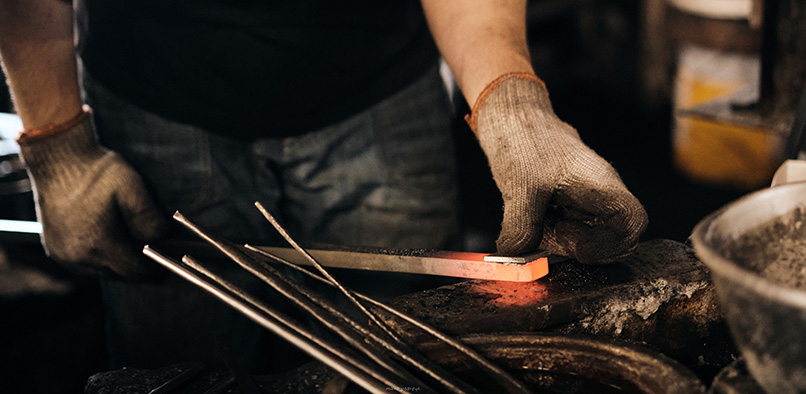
column 661, row 295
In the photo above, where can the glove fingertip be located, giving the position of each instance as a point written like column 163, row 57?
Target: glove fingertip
column 518, row 243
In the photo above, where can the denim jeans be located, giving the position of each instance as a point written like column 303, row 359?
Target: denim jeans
column 384, row 177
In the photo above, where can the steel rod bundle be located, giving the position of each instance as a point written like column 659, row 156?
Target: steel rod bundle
column 371, row 355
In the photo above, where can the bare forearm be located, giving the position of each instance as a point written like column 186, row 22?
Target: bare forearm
column 480, row 39
column 38, row 55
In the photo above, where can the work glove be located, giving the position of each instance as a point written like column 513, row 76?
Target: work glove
column 94, row 209
column 559, row 195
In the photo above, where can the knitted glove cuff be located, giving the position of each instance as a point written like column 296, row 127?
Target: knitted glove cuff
column 64, row 147
column 53, row 129
column 473, row 117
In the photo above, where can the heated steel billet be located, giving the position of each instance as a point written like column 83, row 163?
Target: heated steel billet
column 501, row 376
column 337, row 350
column 325, row 312
column 324, row 272
column 283, row 328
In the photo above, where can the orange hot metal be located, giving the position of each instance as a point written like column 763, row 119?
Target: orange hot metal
column 455, row 264
column 510, row 294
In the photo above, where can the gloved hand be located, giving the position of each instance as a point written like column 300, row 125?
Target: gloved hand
column 94, row 209
column 559, row 195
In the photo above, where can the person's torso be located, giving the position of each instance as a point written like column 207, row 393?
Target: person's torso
column 250, row 68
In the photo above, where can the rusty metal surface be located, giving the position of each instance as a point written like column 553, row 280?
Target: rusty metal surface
column 552, row 363
column 571, row 292
column 549, row 363
column 661, row 296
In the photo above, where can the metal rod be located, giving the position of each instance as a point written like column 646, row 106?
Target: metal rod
column 504, row 378
column 412, row 357
column 324, row 272
column 310, row 303
column 305, row 344
column 326, row 313
column 337, row 350
column 400, row 350
column 288, row 287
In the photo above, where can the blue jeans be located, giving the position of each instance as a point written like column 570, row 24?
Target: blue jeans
column 384, row 177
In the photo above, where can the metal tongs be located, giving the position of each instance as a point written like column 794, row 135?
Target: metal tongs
column 370, row 353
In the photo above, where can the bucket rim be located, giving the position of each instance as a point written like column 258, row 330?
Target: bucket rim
column 730, row 270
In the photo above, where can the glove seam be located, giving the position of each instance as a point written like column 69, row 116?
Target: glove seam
column 472, row 117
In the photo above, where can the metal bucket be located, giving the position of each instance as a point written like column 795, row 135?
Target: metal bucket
column 742, row 244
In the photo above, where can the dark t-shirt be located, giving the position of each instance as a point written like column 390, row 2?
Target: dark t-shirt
column 255, row 68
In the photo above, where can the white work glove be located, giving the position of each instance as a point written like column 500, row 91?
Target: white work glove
column 559, row 195
column 94, row 209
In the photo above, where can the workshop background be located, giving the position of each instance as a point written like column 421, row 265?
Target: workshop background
column 629, row 75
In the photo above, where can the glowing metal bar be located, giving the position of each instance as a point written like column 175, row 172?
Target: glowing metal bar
column 455, row 264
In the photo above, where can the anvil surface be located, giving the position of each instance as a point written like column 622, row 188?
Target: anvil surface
column 661, row 296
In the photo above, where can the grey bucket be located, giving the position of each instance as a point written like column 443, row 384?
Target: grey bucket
column 767, row 319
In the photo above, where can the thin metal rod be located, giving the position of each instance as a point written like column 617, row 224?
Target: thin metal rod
column 412, row 357
column 324, row 272
column 493, row 370
column 305, row 344
column 309, row 302
column 335, row 349
column 332, row 318
column 400, row 350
